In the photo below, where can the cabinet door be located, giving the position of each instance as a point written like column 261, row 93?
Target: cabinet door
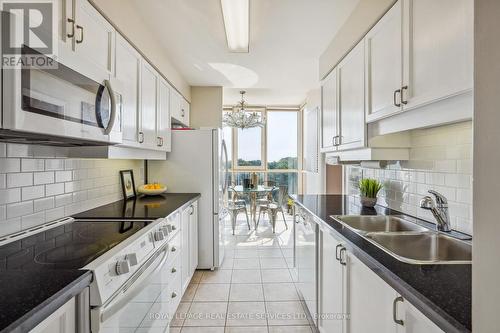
column 441, row 66
column 351, row 78
column 415, row 321
column 186, row 268
column 193, row 238
column 63, row 320
column 65, row 24
column 126, row 83
column 175, row 104
column 329, row 112
column 384, row 65
column 331, row 286
column 147, row 134
column 369, row 300
column 185, row 110
column 306, row 262
column 94, row 37
column 163, row 116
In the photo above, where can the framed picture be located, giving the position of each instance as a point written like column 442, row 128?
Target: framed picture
column 128, row 184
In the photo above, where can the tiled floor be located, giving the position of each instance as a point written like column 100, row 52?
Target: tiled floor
column 252, row 293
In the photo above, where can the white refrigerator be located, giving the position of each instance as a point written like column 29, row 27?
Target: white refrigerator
column 197, row 164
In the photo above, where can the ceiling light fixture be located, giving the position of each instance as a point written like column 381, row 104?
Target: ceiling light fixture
column 236, row 14
column 241, row 118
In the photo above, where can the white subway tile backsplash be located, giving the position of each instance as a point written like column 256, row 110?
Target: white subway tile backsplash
column 54, row 189
column 39, row 184
column 440, row 159
column 43, row 204
column 30, row 221
column 10, row 165
column 19, row 150
column 43, row 177
column 33, row 192
column 19, row 209
column 64, row 199
column 19, row 179
column 63, row 176
column 10, row 195
column 32, row 164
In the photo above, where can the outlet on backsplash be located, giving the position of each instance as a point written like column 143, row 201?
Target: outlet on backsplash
column 440, row 159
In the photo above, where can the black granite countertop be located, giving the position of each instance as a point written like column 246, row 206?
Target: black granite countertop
column 140, row 208
column 27, row 297
column 441, row 292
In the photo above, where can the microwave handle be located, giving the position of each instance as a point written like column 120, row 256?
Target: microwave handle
column 112, row 97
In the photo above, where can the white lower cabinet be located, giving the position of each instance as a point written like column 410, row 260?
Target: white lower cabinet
column 63, row 320
column 354, row 299
column 189, row 230
column 332, row 280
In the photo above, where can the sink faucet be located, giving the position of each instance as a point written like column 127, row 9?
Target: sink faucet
column 439, row 209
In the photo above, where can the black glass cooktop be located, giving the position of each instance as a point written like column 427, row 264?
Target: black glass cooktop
column 69, row 246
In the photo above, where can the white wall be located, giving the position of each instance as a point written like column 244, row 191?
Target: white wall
column 206, row 107
column 440, row 159
column 361, row 20
column 123, row 15
column 38, row 184
column 486, row 245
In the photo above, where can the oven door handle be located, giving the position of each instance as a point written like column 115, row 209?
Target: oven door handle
column 135, row 285
column 112, row 116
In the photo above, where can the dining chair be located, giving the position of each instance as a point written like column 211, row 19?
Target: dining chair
column 235, row 206
column 267, row 197
column 273, row 207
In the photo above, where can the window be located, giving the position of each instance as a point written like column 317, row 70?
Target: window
column 282, row 132
column 272, row 152
column 250, row 147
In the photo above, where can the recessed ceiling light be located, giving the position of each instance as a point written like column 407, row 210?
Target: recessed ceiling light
column 236, row 14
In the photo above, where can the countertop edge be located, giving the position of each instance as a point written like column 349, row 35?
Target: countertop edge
column 43, row 310
column 422, row 303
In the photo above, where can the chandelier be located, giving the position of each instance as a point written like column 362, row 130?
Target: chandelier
column 240, row 118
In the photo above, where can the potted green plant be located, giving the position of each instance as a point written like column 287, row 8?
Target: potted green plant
column 368, row 190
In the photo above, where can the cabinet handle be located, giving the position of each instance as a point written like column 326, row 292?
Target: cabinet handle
column 398, row 91
column 404, row 101
column 141, row 137
column 158, row 141
column 342, row 261
column 183, row 112
column 174, row 249
column 337, row 251
column 174, row 270
column 192, row 210
column 174, row 295
column 79, row 27
column 72, row 34
column 395, row 310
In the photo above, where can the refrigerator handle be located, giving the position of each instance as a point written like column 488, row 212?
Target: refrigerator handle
column 224, row 149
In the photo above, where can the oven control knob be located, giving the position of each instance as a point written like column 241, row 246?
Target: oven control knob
column 131, row 258
column 122, row 267
column 168, row 227
column 165, row 231
column 158, row 236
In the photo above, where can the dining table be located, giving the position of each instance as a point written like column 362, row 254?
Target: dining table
column 254, row 193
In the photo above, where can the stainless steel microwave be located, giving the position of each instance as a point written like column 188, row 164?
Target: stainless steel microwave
column 58, row 106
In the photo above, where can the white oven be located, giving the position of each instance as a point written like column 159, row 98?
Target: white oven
column 58, row 105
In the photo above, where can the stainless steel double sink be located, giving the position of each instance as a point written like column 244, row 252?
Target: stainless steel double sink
column 407, row 241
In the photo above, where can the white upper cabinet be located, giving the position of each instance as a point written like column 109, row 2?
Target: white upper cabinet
column 126, row 83
column 351, row 78
column 163, row 116
column 384, row 65
column 149, row 81
column 185, row 111
column 179, row 107
column 438, row 50
column 94, row 39
column 329, row 112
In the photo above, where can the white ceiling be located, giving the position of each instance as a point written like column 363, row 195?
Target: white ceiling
column 286, row 39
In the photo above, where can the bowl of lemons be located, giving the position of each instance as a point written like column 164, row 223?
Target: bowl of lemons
column 152, row 189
